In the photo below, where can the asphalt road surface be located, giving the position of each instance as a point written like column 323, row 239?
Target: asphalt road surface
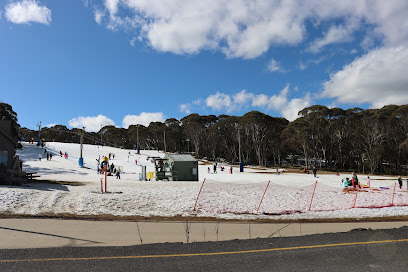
column 358, row 250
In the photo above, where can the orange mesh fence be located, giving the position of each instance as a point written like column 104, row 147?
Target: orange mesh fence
column 227, row 197
column 244, row 197
column 281, row 199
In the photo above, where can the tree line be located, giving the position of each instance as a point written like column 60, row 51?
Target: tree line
column 370, row 141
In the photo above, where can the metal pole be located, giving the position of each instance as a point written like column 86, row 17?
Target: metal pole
column 137, row 137
column 165, row 141
column 81, row 141
column 239, row 145
column 39, row 130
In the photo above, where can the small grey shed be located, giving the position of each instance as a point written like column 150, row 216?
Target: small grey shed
column 183, row 167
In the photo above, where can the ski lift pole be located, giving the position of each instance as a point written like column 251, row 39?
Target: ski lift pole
column 263, row 196
column 102, row 185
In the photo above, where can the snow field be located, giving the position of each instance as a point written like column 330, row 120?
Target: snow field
column 224, row 195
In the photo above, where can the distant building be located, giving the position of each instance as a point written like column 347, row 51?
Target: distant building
column 177, row 167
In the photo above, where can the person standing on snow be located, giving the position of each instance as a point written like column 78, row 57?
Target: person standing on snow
column 39, row 156
column 314, row 171
column 355, row 180
column 400, row 182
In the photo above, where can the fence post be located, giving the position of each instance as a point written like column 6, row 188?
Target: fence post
column 355, row 199
column 198, row 196
column 393, row 194
column 310, row 206
column 106, row 178
column 263, row 196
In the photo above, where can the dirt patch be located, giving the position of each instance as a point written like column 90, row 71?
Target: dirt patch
column 180, row 218
column 72, row 183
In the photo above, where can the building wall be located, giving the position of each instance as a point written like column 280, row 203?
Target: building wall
column 5, row 143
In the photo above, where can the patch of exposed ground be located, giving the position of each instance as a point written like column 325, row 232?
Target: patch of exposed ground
column 178, row 218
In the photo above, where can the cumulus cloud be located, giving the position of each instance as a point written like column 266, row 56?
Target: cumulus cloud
column 91, row 123
column 145, row 118
column 218, row 101
column 378, row 78
column 27, row 11
column 274, row 66
column 243, row 99
column 247, row 29
column 291, row 109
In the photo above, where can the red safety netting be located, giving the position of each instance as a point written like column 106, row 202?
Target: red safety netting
column 244, row 197
column 381, row 196
column 227, row 197
column 281, row 199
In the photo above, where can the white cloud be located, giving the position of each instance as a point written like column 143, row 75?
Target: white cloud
column 378, row 78
column 291, row 109
column 247, row 29
column 243, row 99
column 50, row 125
column 92, row 123
column 144, row 118
column 274, row 66
column 185, row 108
column 98, row 15
column 335, row 34
column 27, row 11
column 112, row 6
column 302, row 66
column 218, row 101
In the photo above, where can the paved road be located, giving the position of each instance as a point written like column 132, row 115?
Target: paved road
column 358, row 250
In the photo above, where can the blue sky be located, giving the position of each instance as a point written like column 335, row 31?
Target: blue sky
column 121, row 62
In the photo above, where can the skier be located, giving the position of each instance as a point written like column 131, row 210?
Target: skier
column 215, row 168
column 48, row 156
column 39, row 156
column 400, row 182
column 314, row 171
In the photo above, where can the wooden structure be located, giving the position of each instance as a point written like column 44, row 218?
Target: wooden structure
column 10, row 166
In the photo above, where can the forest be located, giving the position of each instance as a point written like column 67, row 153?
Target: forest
column 369, row 141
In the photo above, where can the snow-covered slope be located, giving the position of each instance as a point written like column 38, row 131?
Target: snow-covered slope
column 224, row 195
